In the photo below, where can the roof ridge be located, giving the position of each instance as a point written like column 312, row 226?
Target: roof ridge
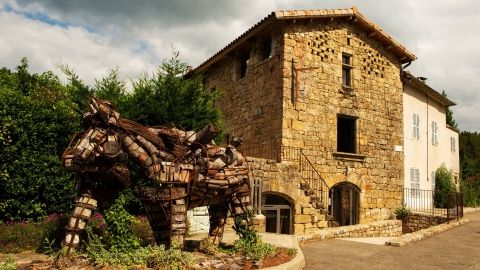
column 352, row 12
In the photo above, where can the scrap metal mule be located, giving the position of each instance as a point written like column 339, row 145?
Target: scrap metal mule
column 175, row 170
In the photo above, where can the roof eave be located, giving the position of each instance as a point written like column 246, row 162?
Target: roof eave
column 402, row 53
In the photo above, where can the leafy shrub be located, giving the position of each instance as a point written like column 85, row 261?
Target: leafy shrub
column 119, row 233
column 21, row 236
column 250, row 244
column 471, row 193
column 9, row 264
column 36, row 121
column 403, row 212
column 154, row 257
column 443, row 186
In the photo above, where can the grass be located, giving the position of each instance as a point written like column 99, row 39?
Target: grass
column 46, row 235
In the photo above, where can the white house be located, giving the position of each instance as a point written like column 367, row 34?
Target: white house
column 428, row 141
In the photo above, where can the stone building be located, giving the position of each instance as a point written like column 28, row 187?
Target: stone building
column 317, row 96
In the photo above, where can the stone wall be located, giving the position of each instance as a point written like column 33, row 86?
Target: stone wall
column 284, row 180
column 419, row 221
column 374, row 100
column 261, row 109
column 382, row 228
column 251, row 106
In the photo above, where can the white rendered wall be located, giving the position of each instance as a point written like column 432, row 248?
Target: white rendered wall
column 421, row 153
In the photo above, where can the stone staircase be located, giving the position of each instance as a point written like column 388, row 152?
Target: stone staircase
column 315, row 188
column 324, row 220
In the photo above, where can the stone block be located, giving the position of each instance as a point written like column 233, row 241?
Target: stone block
column 302, row 219
column 298, row 228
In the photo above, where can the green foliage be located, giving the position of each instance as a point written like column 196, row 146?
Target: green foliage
column 21, row 236
column 118, row 227
column 113, row 89
column 449, row 114
column 443, row 186
column 173, row 258
column 471, row 193
column 250, row 244
column 169, row 97
column 470, row 167
column 9, row 264
column 402, row 212
column 36, row 120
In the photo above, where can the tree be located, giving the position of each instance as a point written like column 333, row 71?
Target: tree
column 470, row 167
column 443, row 186
column 450, row 120
column 169, row 97
column 36, row 121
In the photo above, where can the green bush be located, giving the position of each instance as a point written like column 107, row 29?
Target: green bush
column 443, row 186
column 403, row 212
column 36, row 121
column 250, row 244
column 21, row 236
column 471, row 193
column 118, row 227
column 9, row 264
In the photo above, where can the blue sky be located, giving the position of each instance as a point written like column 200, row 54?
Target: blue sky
column 93, row 37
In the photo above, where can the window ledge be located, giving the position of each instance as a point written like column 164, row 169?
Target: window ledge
column 348, row 90
column 349, row 156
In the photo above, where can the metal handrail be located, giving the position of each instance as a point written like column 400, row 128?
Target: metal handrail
column 310, row 176
column 314, row 179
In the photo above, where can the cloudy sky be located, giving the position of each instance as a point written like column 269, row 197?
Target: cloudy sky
column 94, row 36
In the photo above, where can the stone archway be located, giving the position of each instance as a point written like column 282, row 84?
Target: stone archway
column 278, row 212
column 345, row 203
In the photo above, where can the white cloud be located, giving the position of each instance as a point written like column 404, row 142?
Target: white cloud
column 136, row 36
column 48, row 46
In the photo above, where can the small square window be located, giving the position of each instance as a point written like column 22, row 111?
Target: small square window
column 266, row 48
column 347, row 70
column 243, row 63
column 346, row 134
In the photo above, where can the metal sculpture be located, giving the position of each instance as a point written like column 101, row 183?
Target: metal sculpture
column 175, row 171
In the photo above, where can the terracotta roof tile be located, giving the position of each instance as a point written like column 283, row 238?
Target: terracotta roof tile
column 397, row 48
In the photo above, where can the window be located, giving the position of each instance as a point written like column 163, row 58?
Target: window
column 433, row 180
column 453, row 145
column 266, row 48
column 416, row 126
column 243, row 59
column 434, row 133
column 415, row 181
column 346, row 129
column 347, row 70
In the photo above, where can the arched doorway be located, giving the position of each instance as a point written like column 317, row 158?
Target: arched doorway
column 345, row 203
column 278, row 213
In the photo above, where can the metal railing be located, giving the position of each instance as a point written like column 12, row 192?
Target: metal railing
column 312, row 180
column 261, row 150
column 421, row 200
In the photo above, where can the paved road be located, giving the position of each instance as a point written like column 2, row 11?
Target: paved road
column 458, row 248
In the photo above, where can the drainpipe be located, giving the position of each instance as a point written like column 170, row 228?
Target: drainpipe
column 402, row 68
column 428, row 144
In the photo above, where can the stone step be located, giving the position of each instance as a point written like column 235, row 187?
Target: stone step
column 304, row 186
column 309, row 192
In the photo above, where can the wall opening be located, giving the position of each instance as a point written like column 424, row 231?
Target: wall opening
column 278, row 213
column 346, row 134
column 345, row 203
